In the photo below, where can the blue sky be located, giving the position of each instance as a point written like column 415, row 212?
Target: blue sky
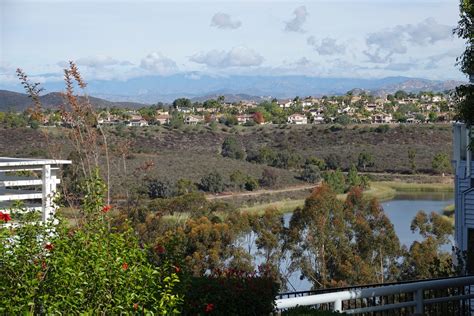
column 123, row 39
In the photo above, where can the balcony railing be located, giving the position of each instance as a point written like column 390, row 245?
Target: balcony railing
column 32, row 181
column 448, row 296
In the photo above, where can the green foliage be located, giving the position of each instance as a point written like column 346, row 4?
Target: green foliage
column 238, row 178
column 320, row 163
column 212, row 182
column 335, row 180
column 343, row 119
column 424, row 258
column 441, row 163
column 160, row 189
column 311, row 173
column 365, row 160
column 185, row 186
column 89, row 269
column 251, row 184
column 356, row 180
column 231, row 292
column 232, row 148
column 338, row 243
column 182, row 103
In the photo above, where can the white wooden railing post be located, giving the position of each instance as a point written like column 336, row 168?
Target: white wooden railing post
column 46, row 203
column 337, row 305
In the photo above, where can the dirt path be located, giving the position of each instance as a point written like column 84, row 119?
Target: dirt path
column 226, row 195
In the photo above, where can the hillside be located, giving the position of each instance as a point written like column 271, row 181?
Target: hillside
column 193, row 151
column 14, row 101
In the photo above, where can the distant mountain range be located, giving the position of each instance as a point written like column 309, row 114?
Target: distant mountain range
column 14, row 101
column 152, row 89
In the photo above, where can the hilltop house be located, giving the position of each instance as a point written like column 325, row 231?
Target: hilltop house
column 193, row 120
column 285, row 104
column 137, row 122
column 382, row 118
column 244, row 118
column 163, row 119
column 298, row 119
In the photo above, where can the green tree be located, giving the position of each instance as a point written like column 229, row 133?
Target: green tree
column 425, row 259
column 160, row 189
column 335, row 180
column 185, row 186
column 238, row 179
column 212, row 182
column 365, row 160
column 441, row 163
column 251, row 184
column 432, row 117
column 182, row 103
column 353, row 178
column 231, row 148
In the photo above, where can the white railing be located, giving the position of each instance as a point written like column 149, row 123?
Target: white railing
column 416, row 288
column 30, row 180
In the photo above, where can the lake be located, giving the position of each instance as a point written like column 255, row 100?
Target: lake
column 400, row 211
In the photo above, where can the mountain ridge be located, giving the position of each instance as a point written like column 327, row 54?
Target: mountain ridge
column 153, row 89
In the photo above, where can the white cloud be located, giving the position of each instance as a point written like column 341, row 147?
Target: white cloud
column 159, row 64
column 384, row 44
column 224, row 21
column 236, row 57
column 296, row 24
column 327, row 46
column 98, row 61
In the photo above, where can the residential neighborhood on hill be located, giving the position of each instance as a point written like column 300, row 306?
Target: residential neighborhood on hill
column 355, row 107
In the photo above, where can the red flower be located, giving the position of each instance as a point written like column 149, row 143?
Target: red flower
column 209, row 308
column 160, row 249
column 5, row 217
column 49, row 246
column 135, row 306
column 124, row 266
column 106, row 208
column 43, row 265
column 176, row 269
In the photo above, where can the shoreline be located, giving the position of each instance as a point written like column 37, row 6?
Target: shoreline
column 382, row 190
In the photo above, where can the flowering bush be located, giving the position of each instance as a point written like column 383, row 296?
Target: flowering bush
column 90, row 268
column 230, row 292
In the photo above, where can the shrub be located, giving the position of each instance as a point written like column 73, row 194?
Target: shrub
column 90, row 269
column 160, row 189
column 441, row 163
column 333, row 161
column 232, row 149
column 311, row 173
column 251, row 184
column 213, row 182
column 231, row 293
column 269, row 178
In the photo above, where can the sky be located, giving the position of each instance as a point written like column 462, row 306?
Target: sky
column 124, row 39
